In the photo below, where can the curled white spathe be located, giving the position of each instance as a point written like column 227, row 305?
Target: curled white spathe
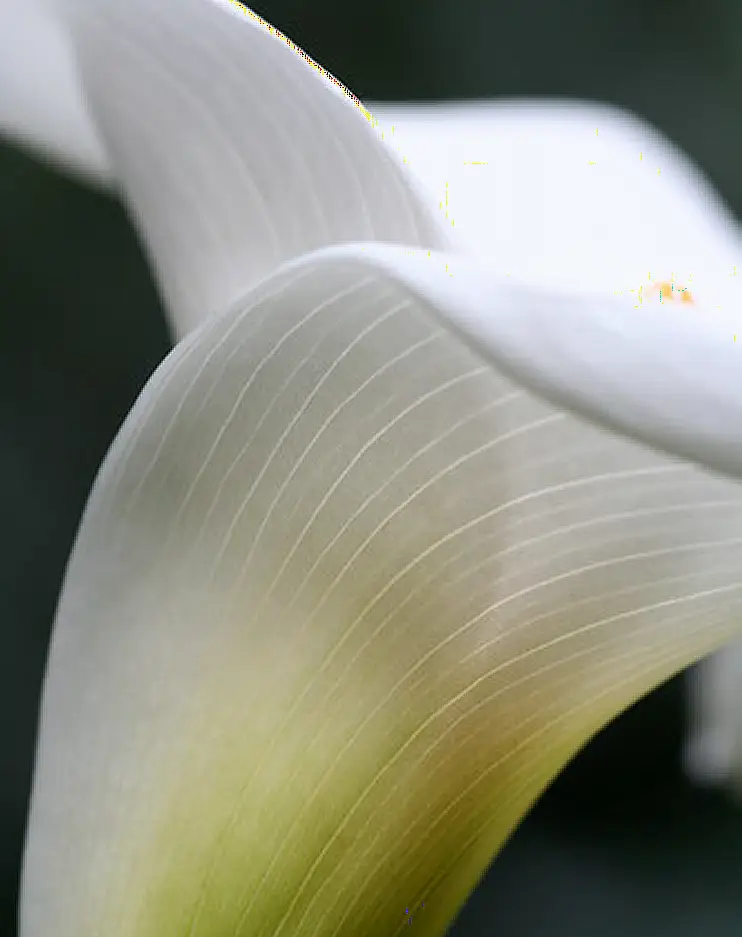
column 396, row 527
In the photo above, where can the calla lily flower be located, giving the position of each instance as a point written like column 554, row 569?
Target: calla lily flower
column 426, row 494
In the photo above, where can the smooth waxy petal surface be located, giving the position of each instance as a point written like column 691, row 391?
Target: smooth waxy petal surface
column 571, row 192
column 378, row 549
column 233, row 151
column 347, row 594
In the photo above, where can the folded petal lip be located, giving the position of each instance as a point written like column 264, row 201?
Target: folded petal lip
column 664, row 375
column 563, row 368
column 422, row 277
column 286, row 165
column 551, row 112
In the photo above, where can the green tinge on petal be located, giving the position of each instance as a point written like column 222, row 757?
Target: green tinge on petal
column 352, row 586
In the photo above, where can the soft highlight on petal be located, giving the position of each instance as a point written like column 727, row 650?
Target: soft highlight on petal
column 579, row 192
column 568, row 192
column 347, row 595
column 233, row 151
column 41, row 98
column 379, row 549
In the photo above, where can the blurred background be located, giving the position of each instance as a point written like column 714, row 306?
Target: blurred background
column 621, row 844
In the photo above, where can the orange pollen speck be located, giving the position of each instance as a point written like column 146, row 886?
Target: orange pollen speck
column 667, row 291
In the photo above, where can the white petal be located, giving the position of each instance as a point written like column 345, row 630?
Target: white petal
column 714, row 747
column 349, row 591
column 41, row 100
column 571, row 191
column 233, row 150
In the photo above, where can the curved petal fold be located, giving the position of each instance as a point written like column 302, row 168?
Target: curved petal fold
column 233, row 150
column 355, row 580
column 378, row 549
column 583, row 192
column 573, row 191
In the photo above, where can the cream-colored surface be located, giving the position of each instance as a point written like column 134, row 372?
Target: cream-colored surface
column 382, row 544
column 343, row 600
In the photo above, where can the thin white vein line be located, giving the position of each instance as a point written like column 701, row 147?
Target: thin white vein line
column 436, row 649
column 398, row 471
column 333, row 653
column 576, row 603
column 436, row 714
column 473, row 522
column 275, row 349
column 522, row 626
column 523, row 723
column 258, row 426
column 588, row 568
column 159, row 382
column 409, row 461
column 466, row 741
column 412, row 204
column 656, row 659
column 410, row 350
column 469, row 571
column 500, row 603
column 125, row 508
column 248, row 336
column 336, row 139
column 433, row 336
column 531, row 675
column 266, row 414
column 145, row 55
column 205, row 398
column 357, row 340
column 184, row 397
column 279, row 59
column 395, row 611
column 506, row 688
column 417, row 403
column 630, row 655
column 385, row 171
column 505, row 399
column 364, row 449
column 347, row 634
column 242, row 83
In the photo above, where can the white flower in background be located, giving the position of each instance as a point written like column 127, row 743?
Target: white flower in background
column 714, row 749
column 411, row 511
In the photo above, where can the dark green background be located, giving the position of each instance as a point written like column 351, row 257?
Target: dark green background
column 621, row 844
